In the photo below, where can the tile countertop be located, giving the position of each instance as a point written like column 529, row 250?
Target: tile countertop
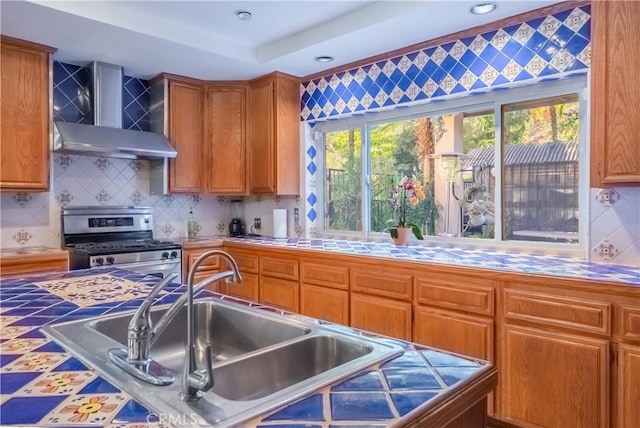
column 42, row 385
column 487, row 259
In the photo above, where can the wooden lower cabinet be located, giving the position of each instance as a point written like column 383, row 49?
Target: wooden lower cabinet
column 462, row 334
column 280, row 293
column 247, row 289
column 324, row 303
column 382, row 316
column 17, row 263
column 553, row 379
column 629, row 389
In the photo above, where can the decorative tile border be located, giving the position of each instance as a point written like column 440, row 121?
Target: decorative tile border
column 554, row 45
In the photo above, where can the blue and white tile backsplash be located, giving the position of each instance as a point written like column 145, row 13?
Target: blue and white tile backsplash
column 549, row 47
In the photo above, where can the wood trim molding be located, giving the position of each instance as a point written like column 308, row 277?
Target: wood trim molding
column 505, row 22
column 26, row 44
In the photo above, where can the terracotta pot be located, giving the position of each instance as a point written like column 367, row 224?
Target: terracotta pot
column 404, row 236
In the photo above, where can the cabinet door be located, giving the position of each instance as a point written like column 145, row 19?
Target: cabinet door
column 185, row 133
column 25, row 116
column 553, row 379
column 225, row 140
column 324, row 303
column 287, row 138
column 247, row 289
column 463, row 334
column 629, row 389
column 279, row 293
column 615, row 93
column 262, row 137
column 383, row 316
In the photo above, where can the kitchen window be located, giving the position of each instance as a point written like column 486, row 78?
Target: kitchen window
column 505, row 167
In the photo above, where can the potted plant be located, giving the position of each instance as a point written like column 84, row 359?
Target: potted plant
column 404, row 196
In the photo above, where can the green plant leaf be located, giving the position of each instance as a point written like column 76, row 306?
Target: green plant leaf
column 416, row 230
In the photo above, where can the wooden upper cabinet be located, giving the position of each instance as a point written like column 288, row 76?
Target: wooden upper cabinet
column 615, row 93
column 185, row 133
column 25, row 115
column 225, row 138
column 275, row 134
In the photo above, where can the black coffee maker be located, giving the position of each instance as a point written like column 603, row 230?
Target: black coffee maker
column 236, row 227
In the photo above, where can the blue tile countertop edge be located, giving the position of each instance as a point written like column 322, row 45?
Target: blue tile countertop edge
column 43, row 385
column 511, row 261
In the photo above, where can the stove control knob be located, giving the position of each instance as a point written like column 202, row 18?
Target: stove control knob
column 99, row 260
column 110, row 260
column 174, row 254
column 165, row 255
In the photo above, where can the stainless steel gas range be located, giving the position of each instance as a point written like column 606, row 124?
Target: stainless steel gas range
column 119, row 237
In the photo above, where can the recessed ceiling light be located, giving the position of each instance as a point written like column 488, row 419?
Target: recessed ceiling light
column 324, row 58
column 243, row 15
column 482, row 8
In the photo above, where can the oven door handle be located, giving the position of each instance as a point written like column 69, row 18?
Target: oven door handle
column 149, row 264
column 163, row 268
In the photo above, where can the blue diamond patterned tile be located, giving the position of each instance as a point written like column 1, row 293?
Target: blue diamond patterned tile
column 369, row 381
column 408, row 359
column 11, row 382
column 50, row 347
column 489, row 53
column 511, row 48
column 576, row 44
column 453, row 375
column 311, row 215
column 548, row 50
column 311, row 151
column 312, row 199
column 363, row 406
column 308, row 409
column 6, row 359
column 98, row 386
column 524, row 56
column 311, row 167
column 440, row 359
column 27, row 410
column 411, row 378
column 70, row 365
column 32, row 334
column 407, row 401
column 562, row 36
column 133, row 411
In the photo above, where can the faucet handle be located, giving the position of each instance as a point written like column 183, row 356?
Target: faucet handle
column 198, row 381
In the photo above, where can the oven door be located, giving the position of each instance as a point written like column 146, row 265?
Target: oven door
column 161, row 269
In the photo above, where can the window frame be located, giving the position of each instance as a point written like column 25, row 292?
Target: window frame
column 492, row 100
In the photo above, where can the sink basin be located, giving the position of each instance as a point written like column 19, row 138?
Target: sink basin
column 262, row 360
column 231, row 331
column 286, row 367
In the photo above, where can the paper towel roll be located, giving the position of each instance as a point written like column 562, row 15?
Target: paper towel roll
column 280, row 223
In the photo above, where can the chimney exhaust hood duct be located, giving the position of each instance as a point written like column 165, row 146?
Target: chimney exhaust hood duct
column 106, row 137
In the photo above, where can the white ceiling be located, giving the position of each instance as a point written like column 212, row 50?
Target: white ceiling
column 205, row 40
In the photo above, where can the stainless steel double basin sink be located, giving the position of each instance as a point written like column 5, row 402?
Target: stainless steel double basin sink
column 261, row 360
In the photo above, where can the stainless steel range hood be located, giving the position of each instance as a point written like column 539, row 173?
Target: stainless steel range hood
column 106, row 137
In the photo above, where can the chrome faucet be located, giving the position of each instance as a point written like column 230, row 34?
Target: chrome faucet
column 194, row 381
column 141, row 334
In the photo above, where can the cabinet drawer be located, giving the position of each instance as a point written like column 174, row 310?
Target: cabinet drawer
column 325, row 275
column 574, row 314
column 630, row 323
column 324, row 303
column 387, row 283
column 279, row 268
column 211, row 263
column 247, row 289
column 279, row 293
column 382, row 316
column 451, row 292
column 247, row 262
